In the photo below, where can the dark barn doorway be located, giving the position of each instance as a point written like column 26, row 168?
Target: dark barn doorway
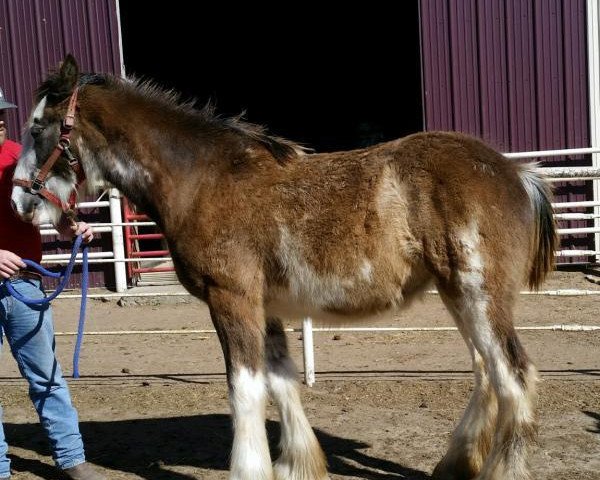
column 332, row 81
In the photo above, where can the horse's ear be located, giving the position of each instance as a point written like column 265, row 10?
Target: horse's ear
column 69, row 72
column 61, row 82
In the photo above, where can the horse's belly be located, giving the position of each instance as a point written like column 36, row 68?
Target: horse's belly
column 352, row 307
column 294, row 311
column 373, row 287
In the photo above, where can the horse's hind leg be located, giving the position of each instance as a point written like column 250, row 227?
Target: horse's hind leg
column 472, row 438
column 240, row 324
column 301, row 456
column 514, row 379
column 486, row 313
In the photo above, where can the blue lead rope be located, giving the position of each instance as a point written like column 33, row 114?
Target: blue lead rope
column 64, row 280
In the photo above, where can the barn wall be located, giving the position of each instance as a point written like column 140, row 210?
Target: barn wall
column 34, row 37
column 514, row 73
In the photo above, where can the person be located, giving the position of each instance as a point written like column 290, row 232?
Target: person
column 29, row 329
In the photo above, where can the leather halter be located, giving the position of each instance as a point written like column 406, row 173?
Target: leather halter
column 37, row 186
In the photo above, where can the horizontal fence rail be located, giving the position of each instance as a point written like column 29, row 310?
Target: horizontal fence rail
column 567, row 327
column 553, row 153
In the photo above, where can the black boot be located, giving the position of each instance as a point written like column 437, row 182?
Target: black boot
column 83, row 471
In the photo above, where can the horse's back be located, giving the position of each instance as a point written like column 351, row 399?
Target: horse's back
column 386, row 220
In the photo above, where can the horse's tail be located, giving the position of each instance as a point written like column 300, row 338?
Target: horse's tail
column 545, row 238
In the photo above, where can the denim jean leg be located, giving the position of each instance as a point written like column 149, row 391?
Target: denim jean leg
column 4, row 460
column 30, row 332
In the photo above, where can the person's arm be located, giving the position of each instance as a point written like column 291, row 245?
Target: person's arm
column 10, row 263
column 69, row 229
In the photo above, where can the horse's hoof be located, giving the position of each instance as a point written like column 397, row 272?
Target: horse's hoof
column 447, row 471
column 283, row 471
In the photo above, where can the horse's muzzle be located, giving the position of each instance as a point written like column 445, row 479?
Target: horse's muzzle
column 26, row 206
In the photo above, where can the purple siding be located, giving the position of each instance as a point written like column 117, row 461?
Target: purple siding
column 512, row 72
column 465, row 62
column 521, row 77
column 34, row 37
column 437, row 88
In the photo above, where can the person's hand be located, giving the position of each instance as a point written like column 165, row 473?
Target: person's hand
column 83, row 229
column 10, row 263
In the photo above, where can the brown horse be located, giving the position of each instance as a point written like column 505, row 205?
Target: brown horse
column 259, row 229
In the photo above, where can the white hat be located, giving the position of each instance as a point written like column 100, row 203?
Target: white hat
column 3, row 103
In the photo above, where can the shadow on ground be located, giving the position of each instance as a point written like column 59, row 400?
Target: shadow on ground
column 595, row 416
column 148, row 447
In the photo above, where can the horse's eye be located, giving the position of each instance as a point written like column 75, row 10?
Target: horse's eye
column 36, row 129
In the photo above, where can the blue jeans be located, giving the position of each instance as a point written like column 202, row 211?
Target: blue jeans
column 30, row 334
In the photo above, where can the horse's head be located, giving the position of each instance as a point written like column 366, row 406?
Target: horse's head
column 48, row 172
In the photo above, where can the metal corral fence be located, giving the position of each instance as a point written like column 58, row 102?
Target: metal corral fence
column 117, row 256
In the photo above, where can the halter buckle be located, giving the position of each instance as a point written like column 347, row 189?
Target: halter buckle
column 64, row 143
column 70, row 157
column 36, row 185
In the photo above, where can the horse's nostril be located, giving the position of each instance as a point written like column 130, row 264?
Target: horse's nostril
column 13, row 205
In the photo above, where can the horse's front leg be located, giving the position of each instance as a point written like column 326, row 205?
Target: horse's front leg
column 239, row 321
column 301, row 456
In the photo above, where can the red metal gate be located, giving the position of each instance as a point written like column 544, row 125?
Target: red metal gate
column 141, row 242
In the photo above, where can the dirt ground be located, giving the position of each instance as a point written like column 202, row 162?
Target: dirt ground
column 384, row 405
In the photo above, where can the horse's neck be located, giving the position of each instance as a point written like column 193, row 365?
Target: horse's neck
column 149, row 171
